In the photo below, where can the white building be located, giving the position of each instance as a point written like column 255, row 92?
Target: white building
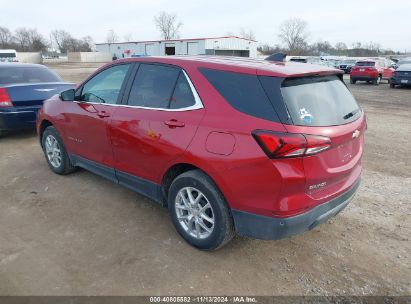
column 226, row 46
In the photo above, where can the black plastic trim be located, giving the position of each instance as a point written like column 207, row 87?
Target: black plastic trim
column 271, row 228
column 137, row 184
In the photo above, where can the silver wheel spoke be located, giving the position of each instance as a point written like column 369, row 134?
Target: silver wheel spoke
column 192, row 210
column 207, row 218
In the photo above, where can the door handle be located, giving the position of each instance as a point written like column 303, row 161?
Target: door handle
column 103, row 114
column 174, row 123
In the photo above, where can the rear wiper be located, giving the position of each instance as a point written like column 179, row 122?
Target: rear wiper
column 351, row 114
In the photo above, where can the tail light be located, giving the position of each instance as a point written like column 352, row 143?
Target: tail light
column 5, row 100
column 283, row 145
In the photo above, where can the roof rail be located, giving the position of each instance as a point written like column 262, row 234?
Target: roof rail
column 279, row 57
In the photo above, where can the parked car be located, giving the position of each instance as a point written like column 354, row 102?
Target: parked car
column 371, row 71
column 8, row 56
column 23, row 88
column 401, row 76
column 229, row 145
column 346, row 65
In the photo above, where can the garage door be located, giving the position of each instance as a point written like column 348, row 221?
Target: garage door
column 149, row 49
column 192, row 48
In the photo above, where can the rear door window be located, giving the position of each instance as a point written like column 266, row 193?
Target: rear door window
column 182, row 96
column 319, row 101
column 153, row 86
column 243, row 92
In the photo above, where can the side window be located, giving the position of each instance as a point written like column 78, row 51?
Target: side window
column 243, row 92
column 105, row 86
column 182, row 96
column 153, row 86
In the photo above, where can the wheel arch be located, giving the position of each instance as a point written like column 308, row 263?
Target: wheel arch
column 44, row 124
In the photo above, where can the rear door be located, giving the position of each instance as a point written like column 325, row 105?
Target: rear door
column 157, row 123
column 324, row 106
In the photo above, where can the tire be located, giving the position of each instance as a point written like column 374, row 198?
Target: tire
column 55, row 152
column 187, row 219
column 392, row 85
column 352, row 81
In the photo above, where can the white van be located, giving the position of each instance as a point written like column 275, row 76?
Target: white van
column 8, row 56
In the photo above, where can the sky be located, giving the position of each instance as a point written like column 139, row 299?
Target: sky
column 385, row 22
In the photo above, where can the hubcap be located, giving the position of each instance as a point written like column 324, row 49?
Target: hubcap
column 194, row 212
column 53, row 151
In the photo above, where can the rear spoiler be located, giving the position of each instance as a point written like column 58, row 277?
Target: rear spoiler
column 277, row 57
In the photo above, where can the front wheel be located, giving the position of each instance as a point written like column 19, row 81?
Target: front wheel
column 55, row 152
column 199, row 211
column 352, row 81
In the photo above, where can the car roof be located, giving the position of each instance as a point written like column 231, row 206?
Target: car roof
column 404, row 67
column 21, row 65
column 241, row 65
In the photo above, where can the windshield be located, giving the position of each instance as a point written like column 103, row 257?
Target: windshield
column 319, row 101
column 8, row 55
column 18, row 74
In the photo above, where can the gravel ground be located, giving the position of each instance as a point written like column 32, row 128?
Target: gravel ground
column 83, row 235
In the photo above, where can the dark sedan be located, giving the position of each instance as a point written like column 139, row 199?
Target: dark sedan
column 23, row 88
column 401, row 76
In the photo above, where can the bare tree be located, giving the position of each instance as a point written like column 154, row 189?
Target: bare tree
column 111, row 36
column 340, row 46
column 62, row 39
column 168, row 25
column 294, row 34
column 29, row 40
column 247, row 34
column 6, row 37
column 128, row 37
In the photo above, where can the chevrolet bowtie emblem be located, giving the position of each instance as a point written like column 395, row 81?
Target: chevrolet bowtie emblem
column 356, row 134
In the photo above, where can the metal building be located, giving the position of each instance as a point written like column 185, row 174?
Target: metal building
column 226, row 46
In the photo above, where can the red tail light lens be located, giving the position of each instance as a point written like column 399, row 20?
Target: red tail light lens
column 281, row 145
column 5, row 100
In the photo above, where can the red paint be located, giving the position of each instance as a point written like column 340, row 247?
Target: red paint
column 372, row 72
column 146, row 143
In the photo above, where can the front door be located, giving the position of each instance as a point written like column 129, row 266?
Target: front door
column 87, row 118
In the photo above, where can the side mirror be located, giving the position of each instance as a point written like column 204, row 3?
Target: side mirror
column 68, row 95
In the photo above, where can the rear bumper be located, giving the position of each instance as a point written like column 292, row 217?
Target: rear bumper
column 270, row 228
column 16, row 118
column 363, row 78
column 401, row 80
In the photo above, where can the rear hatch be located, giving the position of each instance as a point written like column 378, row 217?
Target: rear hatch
column 33, row 94
column 322, row 105
column 363, row 68
column 327, row 128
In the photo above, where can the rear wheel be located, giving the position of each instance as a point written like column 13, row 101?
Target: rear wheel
column 55, row 152
column 392, row 85
column 199, row 211
column 352, row 81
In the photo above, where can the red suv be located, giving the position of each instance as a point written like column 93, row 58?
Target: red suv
column 371, row 71
column 229, row 145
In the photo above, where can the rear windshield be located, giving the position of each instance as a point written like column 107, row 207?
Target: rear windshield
column 365, row 63
column 319, row 101
column 18, row 74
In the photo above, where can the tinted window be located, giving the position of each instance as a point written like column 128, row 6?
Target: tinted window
column 243, row 92
column 7, row 55
column 105, row 86
column 21, row 74
column 153, row 86
column 365, row 63
column 182, row 96
column 319, row 101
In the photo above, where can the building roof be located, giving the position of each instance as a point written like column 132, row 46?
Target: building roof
column 242, row 65
column 174, row 40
